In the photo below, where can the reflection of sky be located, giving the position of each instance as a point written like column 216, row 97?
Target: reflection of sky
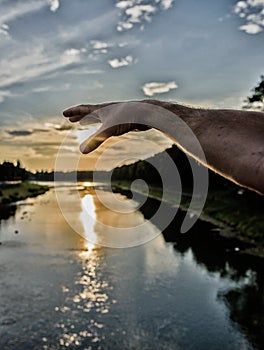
column 58, row 53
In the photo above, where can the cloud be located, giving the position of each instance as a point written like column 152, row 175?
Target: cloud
column 4, row 94
column 10, row 11
column 133, row 12
column 4, row 30
column 59, row 127
column 84, row 71
column 22, row 67
column 19, row 132
column 252, row 12
column 16, row 10
column 73, row 52
column 42, row 89
column 54, row 5
column 122, row 62
column 251, row 28
column 166, row 4
column 63, row 47
column 140, row 12
column 52, row 88
column 48, row 127
column 153, row 88
column 98, row 45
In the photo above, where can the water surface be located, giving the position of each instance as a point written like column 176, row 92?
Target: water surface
column 58, row 291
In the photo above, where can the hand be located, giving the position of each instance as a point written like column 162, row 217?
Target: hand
column 115, row 121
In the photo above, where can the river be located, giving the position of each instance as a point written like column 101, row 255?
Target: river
column 59, row 291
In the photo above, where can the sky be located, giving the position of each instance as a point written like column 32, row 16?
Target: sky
column 58, row 53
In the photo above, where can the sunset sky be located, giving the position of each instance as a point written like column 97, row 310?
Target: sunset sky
column 58, row 53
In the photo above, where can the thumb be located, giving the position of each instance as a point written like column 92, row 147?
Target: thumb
column 95, row 140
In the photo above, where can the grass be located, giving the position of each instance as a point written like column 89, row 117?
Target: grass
column 20, row 191
column 240, row 216
column 243, row 213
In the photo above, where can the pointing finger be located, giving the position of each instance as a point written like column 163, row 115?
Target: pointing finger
column 77, row 111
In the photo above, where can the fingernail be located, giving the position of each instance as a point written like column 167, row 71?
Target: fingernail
column 84, row 148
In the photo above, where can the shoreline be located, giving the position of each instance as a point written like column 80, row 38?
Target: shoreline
column 11, row 193
column 254, row 246
column 218, row 210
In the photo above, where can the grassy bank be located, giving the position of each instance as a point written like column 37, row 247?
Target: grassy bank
column 16, row 192
column 239, row 214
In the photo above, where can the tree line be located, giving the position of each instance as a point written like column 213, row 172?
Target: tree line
column 13, row 172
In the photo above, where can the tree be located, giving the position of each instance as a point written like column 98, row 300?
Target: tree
column 10, row 171
column 256, row 100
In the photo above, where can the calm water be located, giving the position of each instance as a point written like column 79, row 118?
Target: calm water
column 59, row 292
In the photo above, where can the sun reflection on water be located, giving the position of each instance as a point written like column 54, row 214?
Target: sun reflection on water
column 81, row 318
column 87, row 302
column 88, row 219
column 113, row 222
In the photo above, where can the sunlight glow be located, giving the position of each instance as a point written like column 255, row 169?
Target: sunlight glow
column 88, row 219
column 87, row 184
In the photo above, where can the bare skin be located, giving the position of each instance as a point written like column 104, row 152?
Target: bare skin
column 232, row 140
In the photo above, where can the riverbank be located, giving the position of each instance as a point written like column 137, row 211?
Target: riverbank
column 238, row 214
column 16, row 192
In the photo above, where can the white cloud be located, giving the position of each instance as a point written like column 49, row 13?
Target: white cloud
column 166, row 4
column 54, row 5
column 72, row 52
column 53, row 88
column 23, row 67
column 117, row 63
column 240, row 6
column 251, row 28
column 4, row 30
column 137, row 13
column 42, row 57
column 124, row 4
column 124, row 26
column 98, row 45
column 153, row 88
column 134, row 12
column 4, row 37
column 12, row 11
column 83, row 71
column 19, row 9
column 42, row 89
column 4, row 94
column 252, row 12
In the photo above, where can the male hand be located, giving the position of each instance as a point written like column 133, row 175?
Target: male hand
column 115, row 121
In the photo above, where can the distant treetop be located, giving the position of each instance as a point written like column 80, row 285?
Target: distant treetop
column 256, row 100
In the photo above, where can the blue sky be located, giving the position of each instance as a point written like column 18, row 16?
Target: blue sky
column 57, row 53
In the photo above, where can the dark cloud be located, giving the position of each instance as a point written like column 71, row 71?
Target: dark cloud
column 19, row 132
column 40, row 130
column 25, row 132
column 63, row 127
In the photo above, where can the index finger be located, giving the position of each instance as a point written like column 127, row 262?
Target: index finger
column 77, row 111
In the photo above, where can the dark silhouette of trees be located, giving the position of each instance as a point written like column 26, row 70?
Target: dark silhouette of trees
column 12, row 172
column 256, row 100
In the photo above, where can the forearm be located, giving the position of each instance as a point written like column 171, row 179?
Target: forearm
column 232, row 140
